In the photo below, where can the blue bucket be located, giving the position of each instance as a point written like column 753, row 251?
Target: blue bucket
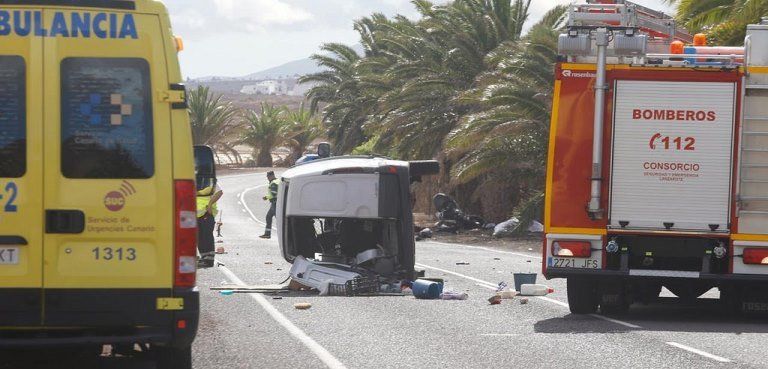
column 424, row 289
column 524, row 278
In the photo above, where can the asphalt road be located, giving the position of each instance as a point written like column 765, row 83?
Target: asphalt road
column 247, row 330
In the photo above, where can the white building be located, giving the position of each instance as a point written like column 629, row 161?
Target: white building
column 268, row 87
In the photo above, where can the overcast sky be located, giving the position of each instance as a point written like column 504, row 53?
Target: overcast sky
column 239, row 37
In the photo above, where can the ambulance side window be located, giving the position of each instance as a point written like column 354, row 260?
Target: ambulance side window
column 13, row 117
column 106, row 118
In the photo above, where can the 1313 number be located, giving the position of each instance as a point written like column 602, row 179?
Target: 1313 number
column 114, row 253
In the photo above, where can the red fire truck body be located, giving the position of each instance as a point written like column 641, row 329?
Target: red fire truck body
column 676, row 192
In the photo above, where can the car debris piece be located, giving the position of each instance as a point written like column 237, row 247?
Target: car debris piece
column 226, row 292
column 523, row 301
column 451, row 218
column 425, row 233
column 220, row 250
column 462, row 263
column 506, row 227
column 302, row 306
column 512, row 225
column 494, row 300
column 451, row 295
column 507, row 295
column 315, row 274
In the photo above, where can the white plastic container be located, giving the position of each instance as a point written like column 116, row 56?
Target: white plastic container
column 535, row 290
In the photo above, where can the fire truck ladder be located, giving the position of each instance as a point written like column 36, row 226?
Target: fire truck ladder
column 753, row 176
column 628, row 14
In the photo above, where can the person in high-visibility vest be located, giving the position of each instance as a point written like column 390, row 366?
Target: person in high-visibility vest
column 271, row 196
column 207, row 209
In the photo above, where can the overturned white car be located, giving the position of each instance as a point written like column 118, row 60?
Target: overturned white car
column 351, row 214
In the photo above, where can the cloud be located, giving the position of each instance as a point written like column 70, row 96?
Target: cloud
column 261, row 12
column 190, row 18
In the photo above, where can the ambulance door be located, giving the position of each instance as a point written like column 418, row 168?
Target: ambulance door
column 108, row 170
column 21, row 174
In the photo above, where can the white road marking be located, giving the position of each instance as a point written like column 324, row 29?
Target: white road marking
column 324, row 355
column 245, row 205
column 527, row 256
column 479, row 281
column 699, row 352
column 628, row 325
column 493, row 286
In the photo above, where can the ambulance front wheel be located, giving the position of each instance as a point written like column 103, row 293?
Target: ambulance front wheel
column 582, row 295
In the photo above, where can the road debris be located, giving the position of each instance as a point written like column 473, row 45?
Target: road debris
column 512, row 226
column 226, row 292
column 424, row 233
column 426, row 289
column 451, row 295
column 507, row 295
column 535, row 290
column 523, row 278
column 462, row 263
column 268, row 263
column 523, row 301
column 451, row 218
column 302, row 306
column 495, row 300
column 220, row 250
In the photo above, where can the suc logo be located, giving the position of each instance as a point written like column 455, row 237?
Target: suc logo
column 115, row 200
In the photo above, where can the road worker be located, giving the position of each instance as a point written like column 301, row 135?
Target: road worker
column 271, row 196
column 207, row 197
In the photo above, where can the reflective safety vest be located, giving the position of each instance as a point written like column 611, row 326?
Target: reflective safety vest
column 203, row 198
column 272, row 190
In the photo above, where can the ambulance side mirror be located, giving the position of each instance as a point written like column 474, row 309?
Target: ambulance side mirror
column 205, row 167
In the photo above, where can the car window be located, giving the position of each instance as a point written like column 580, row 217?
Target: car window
column 106, row 118
column 13, row 119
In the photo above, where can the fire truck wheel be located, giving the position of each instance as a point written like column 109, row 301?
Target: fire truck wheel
column 582, row 295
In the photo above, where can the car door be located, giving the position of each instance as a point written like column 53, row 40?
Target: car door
column 108, row 187
column 21, row 177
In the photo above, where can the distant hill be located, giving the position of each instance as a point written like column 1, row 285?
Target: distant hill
column 297, row 67
column 288, row 70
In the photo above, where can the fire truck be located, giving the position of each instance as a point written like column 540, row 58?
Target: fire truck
column 657, row 171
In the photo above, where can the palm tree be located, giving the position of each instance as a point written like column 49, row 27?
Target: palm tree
column 338, row 87
column 303, row 127
column 263, row 132
column 462, row 80
column 214, row 121
column 505, row 138
column 725, row 21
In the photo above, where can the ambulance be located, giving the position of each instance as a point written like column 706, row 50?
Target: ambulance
column 657, row 173
column 97, row 181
